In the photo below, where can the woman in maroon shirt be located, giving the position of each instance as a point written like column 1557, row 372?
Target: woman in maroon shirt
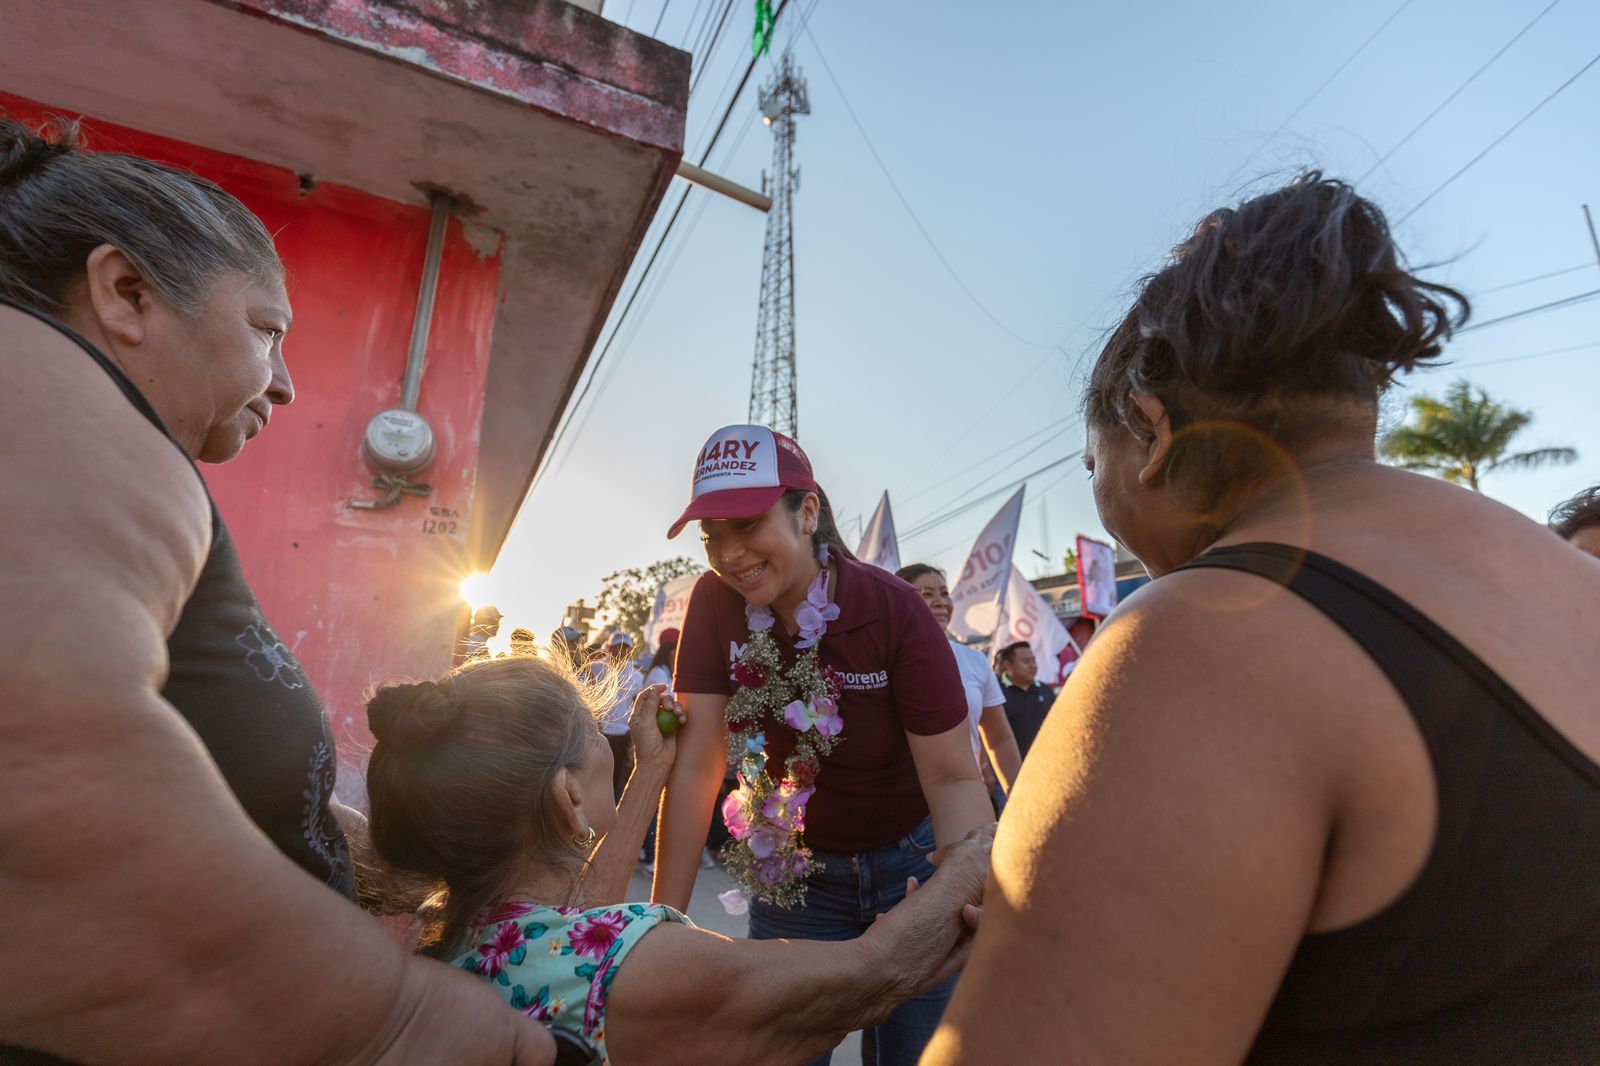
column 829, row 688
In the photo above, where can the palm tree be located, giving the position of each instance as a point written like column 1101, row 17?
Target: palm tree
column 1464, row 436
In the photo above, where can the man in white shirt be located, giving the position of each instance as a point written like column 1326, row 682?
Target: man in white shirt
column 618, row 664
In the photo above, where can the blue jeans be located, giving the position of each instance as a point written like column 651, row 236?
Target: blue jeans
column 841, row 901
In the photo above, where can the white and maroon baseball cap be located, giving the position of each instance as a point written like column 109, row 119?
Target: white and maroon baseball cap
column 742, row 471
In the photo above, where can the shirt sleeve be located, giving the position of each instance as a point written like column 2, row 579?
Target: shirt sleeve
column 928, row 694
column 702, row 664
column 993, row 694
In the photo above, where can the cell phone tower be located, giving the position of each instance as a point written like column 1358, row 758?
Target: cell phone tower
column 773, row 400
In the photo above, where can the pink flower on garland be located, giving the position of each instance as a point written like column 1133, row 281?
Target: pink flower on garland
column 835, row 683
column 821, row 714
column 497, row 952
column 594, row 936
column 786, row 807
column 764, row 841
column 733, row 815
column 769, row 871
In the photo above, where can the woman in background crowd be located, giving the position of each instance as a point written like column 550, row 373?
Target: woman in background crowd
column 987, row 726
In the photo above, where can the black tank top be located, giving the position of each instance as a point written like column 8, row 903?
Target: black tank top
column 1493, row 954
column 239, row 687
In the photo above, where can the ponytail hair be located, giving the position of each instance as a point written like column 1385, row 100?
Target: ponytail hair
column 461, row 783
column 827, row 531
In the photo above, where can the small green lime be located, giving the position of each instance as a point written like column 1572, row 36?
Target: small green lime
column 667, row 722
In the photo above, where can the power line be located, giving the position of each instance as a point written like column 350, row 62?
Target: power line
column 644, row 274
column 1351, row 58
column 1005, row 395
column 1496, row 142
column 656, row 32
column 711, row 46
column 939, row 520
column 894, row 185
column 1038, row 498
column 1553, row 305
column 1537, row 277
column 1458, row 91
column 1529, row 355
column 688, row 28
column 1057, row 425
column 985, row 481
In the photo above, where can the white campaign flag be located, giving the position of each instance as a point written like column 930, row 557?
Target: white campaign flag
column 1027, row 617
column 980, row 593
column 879, row 545
column 672, row 605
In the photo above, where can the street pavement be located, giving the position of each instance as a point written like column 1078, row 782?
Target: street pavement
column 707, row 913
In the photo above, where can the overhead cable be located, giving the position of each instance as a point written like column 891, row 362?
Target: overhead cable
column 1459, row 89
column 1442, row 186
column 1553, row 305
column 895, row 186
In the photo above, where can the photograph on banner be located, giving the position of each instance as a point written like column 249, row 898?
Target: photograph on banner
column 979, row 594
column 1028, row 618
column 1097, row 576
column 671, row 607
column 879, row 544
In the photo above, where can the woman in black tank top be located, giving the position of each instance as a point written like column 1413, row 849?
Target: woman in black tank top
column 165, row 785
column 1284, row 810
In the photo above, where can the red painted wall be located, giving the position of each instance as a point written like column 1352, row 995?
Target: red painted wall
column 360, row 596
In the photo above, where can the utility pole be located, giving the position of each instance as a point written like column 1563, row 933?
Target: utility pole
column 773, row 400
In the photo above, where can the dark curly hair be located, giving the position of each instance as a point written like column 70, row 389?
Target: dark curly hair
column 1573, row 516
column 1266, row 312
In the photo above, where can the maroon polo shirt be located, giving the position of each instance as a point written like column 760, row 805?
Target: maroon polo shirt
column 900, row 677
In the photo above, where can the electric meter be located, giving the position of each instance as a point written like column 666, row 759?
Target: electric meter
column 398, row 441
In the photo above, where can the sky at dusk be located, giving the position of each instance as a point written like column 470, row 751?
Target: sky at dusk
column 1052, row 153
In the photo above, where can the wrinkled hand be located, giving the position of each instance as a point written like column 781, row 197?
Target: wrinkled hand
column 649, row 746
column 963, row 871
column 968, row 861
column 442, row 1014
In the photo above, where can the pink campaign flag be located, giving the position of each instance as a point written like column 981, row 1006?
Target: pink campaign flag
column 879, row 545
column 1027, row 617
column 980, row 593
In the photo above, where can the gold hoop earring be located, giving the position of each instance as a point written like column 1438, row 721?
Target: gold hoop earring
column 586, row 839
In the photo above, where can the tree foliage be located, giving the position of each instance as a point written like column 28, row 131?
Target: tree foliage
column 628, row 596
column 1464, row 436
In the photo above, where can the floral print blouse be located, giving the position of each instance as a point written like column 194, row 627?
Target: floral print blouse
column 556, row 964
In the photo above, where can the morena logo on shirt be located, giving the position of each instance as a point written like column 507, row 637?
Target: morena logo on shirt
column 860, row 681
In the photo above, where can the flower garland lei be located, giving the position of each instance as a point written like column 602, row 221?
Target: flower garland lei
column 766, row 814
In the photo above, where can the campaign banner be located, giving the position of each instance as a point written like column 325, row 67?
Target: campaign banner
column 672, row 604
column 879, row 545
column 1027, row 617
column 979, row 595
column 1097, row 577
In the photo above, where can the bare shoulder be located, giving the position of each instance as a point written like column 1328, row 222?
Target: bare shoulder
column 1161, row 854
column 107, row 505
column 1221, row 640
